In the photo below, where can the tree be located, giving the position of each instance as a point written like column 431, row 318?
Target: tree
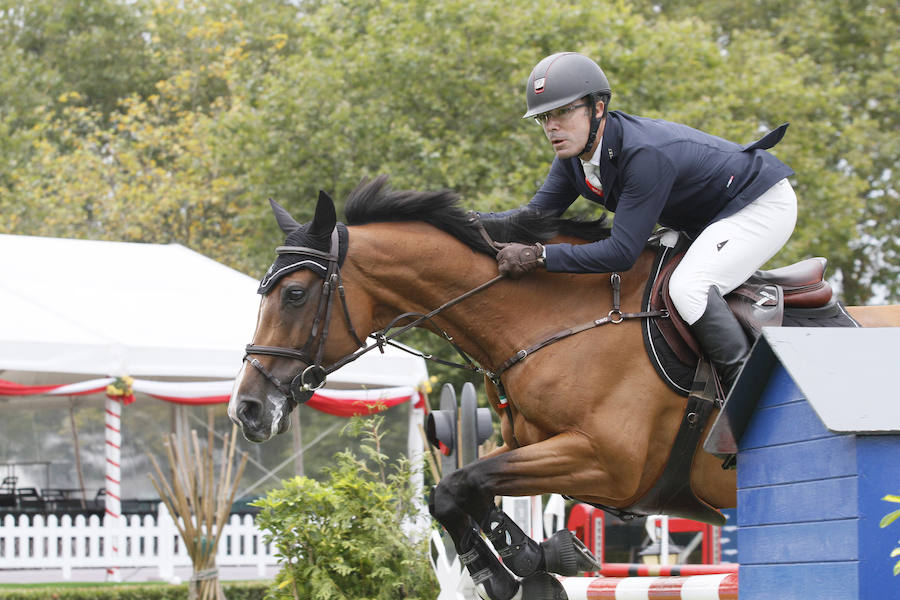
column 849, row 50
column 281, row 99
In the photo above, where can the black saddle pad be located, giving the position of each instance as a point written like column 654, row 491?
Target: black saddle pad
column 679, row 375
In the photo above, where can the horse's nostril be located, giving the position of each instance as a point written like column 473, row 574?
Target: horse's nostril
column 249, row 412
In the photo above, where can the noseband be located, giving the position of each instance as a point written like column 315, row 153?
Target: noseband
column 312, row 376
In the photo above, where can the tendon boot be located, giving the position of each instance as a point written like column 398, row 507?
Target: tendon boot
column 722, row 338
column 492, row 580
column 521, row 554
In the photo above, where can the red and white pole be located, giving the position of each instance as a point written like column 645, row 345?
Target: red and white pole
column 698, row 587
column 112, row 520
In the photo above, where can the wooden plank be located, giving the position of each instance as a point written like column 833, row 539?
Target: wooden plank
column 783, row 424
column 803, row 581
column 798, row 542
column 821, row 458
column 811, row 501
column 780, row 389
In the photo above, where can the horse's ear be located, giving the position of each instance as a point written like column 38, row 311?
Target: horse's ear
column 326, row 218
column 287, row 223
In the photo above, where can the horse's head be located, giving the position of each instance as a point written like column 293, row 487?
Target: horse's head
column 283, row 366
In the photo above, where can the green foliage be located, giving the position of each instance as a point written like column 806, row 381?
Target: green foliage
column 887, row 520
column 344, row 538
column 173, row 120
column 255, row 590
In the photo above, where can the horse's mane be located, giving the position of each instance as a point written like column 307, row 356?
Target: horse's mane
column 374, row 201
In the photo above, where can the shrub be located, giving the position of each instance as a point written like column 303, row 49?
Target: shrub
column 349, row 537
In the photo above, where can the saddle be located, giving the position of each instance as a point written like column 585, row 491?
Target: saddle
column 759, row 302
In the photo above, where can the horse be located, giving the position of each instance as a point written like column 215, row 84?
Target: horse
column 586, row 416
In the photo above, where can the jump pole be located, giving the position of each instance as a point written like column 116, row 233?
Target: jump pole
column 722, row 586
column 641, row 570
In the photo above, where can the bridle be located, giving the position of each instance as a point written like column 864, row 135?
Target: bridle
column 312, row 376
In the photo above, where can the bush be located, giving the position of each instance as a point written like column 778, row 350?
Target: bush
column 233, row 591
column 344, row 538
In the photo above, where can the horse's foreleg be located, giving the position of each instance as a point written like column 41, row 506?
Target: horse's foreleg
column 464, row 500
column 491, row 577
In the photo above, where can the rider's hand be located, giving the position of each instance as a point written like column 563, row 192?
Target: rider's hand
column 516, row 260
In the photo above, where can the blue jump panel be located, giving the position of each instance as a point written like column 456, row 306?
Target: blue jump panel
column 809, row 503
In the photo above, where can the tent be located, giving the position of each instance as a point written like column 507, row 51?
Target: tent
column 76, row 315
column 76, row 309
column 116, row 319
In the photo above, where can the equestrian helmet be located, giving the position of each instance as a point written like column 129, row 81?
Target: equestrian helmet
column 560, row 79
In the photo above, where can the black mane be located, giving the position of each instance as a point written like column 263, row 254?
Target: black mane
column 374, row 201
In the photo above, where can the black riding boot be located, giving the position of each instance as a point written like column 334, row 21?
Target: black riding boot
column 722, row 338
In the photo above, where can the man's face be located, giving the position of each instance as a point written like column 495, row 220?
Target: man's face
column 567, row 127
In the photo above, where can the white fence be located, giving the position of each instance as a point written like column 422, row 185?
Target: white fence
column 47, row 542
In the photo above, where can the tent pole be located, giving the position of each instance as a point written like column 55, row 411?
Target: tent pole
column 77, row 452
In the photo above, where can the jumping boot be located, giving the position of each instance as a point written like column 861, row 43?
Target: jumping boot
column 722, row 338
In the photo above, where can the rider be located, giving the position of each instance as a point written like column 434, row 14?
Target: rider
column 734, row 201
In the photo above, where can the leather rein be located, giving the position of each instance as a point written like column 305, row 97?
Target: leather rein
column 313, row 375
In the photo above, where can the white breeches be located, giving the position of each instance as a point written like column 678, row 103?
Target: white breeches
column 727, row 253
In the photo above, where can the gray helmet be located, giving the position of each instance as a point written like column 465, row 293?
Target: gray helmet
column 562, row 78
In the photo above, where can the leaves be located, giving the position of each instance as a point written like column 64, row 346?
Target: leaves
column 887, row 520
column 172, row 120
column 350, row 536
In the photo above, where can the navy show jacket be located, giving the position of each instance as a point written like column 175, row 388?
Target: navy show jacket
column 654, row 171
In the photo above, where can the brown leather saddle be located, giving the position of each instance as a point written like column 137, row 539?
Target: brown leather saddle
column 757, row 303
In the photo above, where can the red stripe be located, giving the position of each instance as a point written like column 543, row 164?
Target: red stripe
column 108, row 426
column 111, row 495
column 109, row 443
column 112, row 462
column 193, row 401
column 728, row 589
column 113, row 480
column 602, row 588
column 641, row 570
column 111, row 513
column 665, row 588
column 112, row 414
column 597, row 191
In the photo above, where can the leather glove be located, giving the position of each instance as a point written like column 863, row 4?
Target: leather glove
column 516, row 260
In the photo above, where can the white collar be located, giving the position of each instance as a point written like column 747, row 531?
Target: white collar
column 595, row 159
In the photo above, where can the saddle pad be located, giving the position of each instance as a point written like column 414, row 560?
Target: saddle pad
column 677, row 374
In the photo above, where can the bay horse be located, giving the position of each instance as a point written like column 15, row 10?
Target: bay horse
column 586, row 417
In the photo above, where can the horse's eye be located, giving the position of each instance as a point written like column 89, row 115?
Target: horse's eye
column 295, row 296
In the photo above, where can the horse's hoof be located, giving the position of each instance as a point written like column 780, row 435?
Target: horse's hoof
column 542, row 586
column 566, row 555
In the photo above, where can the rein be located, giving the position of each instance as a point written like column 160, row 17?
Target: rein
column 313, row 376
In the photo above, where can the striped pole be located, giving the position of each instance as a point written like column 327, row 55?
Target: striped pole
column 113, row 480
column 723, row 586
column 642, row 570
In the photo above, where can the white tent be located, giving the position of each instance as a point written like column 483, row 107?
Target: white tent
column 174, row 320
column 72, row 309
column 74, row 314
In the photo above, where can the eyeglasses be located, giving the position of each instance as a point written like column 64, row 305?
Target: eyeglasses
column 557, row 113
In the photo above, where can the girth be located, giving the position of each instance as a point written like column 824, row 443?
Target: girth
column 671, row 493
